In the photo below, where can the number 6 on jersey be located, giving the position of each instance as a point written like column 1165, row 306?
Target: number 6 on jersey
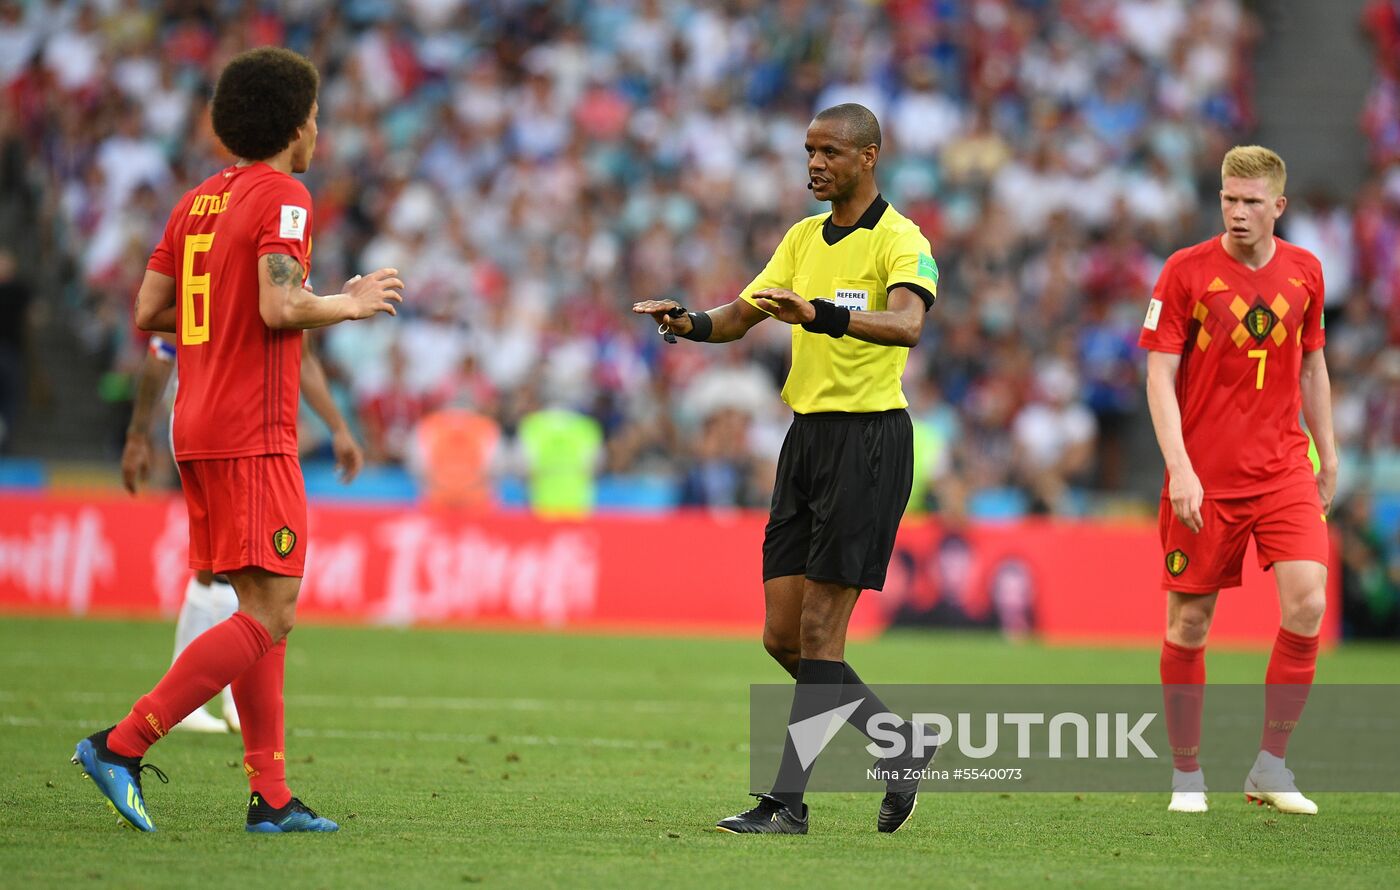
column 194, row 331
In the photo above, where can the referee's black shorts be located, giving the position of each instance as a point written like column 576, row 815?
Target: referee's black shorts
column 843, row 482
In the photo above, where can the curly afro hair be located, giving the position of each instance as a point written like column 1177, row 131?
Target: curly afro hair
column 261, row 98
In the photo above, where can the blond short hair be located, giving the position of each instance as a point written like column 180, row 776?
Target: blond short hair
column 1255, row 162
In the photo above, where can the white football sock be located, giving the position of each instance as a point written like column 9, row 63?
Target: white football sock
column 204, row 607
column 196, row 615
column 223, row 600
column 1268, row 762
column 1192, row 781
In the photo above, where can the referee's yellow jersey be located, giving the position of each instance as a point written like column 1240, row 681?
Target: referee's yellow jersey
column 856, row 267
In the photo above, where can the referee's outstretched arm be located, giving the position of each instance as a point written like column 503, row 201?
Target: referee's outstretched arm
column 899, row 325
column 719, row 325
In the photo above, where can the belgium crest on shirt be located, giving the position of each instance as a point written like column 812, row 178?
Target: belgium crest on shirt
column 1176, row 562
column 284, row 540
column 1259, row 321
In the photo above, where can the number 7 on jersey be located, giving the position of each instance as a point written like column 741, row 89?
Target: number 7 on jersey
column 1261, row 354
column 194, row 331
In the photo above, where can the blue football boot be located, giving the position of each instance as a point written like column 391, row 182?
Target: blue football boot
column 295, row 816
column 118, row 778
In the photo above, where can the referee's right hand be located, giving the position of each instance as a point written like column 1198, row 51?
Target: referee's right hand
column 657, row 309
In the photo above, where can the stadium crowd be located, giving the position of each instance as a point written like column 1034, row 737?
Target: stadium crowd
column 1364, row 240
column 535, row 167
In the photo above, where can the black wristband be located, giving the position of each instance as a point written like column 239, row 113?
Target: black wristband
column 831, row 319
column 701, row 326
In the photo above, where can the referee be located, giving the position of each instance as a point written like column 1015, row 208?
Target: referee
column 854, row 285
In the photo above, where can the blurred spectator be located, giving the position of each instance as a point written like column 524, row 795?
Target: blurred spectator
column 454, row 452
column 19, row 40
column 15, row 295
column 1012, row 594
column 1381, row 116
column 1383, row 404
column 1107, row 353
column 562, row 451
column 1382, row 21
column 74, row 53
column 392, row 413
column 1370, row 571
column 941, row 587
column 1054, row 438
column 937, row 428
column 1319, row 224
column 719, row 475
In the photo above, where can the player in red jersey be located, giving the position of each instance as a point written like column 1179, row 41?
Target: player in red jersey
column 228, row 278
column 1235, row 334
column 210, row 598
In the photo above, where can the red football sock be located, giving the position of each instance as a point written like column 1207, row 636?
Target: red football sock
column 1288, row 681
column 258, row 694
column 1183, row 695
column 207, row 665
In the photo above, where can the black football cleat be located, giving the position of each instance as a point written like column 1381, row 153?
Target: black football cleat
column 901, row 790
column 293, row 816
column 771, row 816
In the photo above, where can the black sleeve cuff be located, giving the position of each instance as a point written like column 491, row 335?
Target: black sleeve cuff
column 701, row 326
column 831, row 319
column 919, row 289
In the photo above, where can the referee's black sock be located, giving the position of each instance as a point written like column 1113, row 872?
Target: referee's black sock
column 818, row 690
column 852, row 689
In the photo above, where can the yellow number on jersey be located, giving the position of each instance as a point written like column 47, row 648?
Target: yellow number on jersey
column 1263, row 356
column 192, row 287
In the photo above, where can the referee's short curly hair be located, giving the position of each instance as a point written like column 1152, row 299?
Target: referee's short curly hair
column 261, row 98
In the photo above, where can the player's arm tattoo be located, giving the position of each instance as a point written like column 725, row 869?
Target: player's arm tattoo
column 284, row 271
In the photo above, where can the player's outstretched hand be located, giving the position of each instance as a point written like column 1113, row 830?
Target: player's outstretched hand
column 136, row 462
column 679, row 325
column 376, row 292
column 784, row 305
column 349, row 457
column 1187, row 495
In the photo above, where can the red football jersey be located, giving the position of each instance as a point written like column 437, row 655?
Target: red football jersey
column 239, row 379
column 1241, row 335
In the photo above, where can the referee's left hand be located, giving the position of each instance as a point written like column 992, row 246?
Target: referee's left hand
column 784, row 305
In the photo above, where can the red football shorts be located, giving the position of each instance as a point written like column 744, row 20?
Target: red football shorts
column 246, row 511
column 1287, row 524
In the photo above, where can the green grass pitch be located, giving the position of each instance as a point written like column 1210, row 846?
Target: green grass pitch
column 454, row 758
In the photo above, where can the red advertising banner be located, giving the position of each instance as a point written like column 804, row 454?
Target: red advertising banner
column 686, row 572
